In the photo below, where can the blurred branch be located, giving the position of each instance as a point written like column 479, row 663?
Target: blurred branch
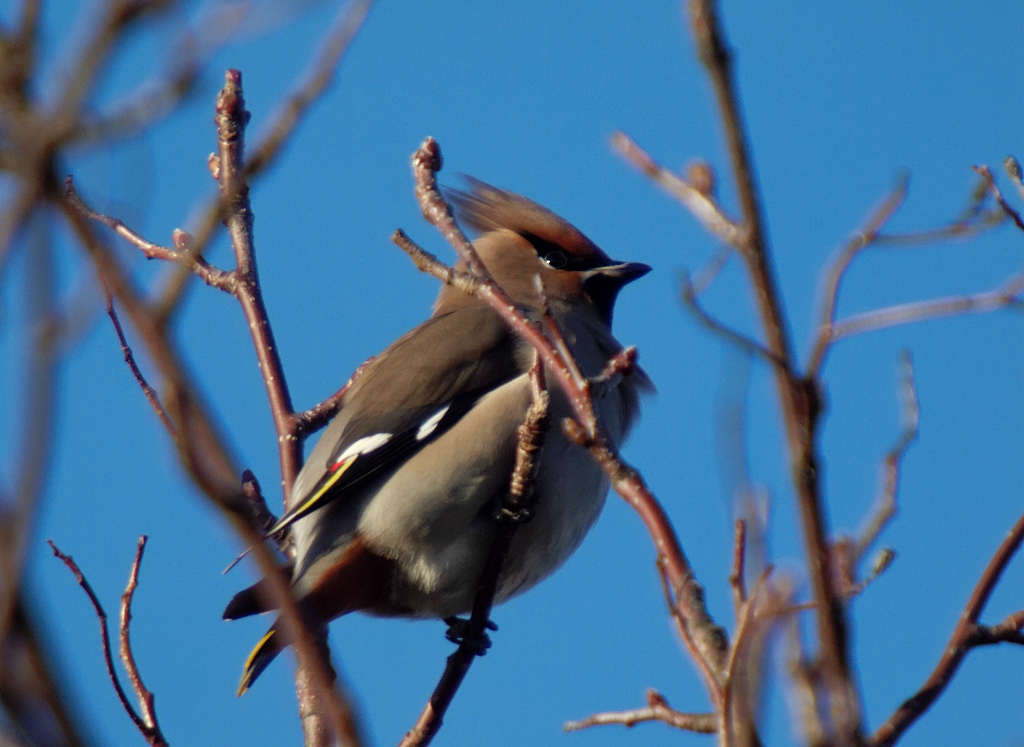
column 748, row 345
column 33, row 136
column 700, row 203
column 974, row 219
column 204, row 453
column 316, row 80
column 145, row 723
column 736, row 579
column 798, row 396
column 186, row 59
column 31, row 690
column 862, row 238
column 657, row 709
column 966, row 635
column 116, row 18
column 1012, row 167
column 993, row 188
column 197, row 439
column 515, row 509
column 885, row 505
column 1009, row 294
column 741, row 671
column 14, row 216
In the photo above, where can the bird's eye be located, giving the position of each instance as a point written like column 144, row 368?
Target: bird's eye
column 555, row 259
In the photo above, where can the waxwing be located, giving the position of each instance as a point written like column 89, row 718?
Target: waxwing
column 392, row 512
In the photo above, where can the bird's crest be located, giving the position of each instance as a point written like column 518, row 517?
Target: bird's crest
column 486, row 208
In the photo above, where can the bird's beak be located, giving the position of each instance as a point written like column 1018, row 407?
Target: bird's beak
column 622, row 272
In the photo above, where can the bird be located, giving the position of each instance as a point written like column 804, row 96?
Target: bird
column 392, row 514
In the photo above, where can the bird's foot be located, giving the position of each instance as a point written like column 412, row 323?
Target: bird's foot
column 458, row 632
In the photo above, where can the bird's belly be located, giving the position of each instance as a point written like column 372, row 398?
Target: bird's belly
column 445, row 533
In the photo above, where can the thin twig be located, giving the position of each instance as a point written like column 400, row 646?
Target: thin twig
column 317, row 697
column 990, row 182
column 705, row 277
column 617, row 366
column 1009, row 294
column 142, row 693
column 1009, row 630
column 862, row 238
column 316, row 80
column 210, row 275
column 741, row 341
column 744, row 623
column 151, row 395
column 699, row 202
column 203, row 450
column 316, row 417
column 231, row 120
column 739, row 552
column 693, row 647
column 427, row 162
column 1012, row 167
column 515, row 509
column 960, row 642
column 147, row 726
column 657, row 709
column 885, row 505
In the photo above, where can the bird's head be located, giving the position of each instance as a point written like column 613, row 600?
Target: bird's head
column 520, row 240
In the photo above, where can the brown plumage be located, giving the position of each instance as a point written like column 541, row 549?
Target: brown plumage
column 392, row 511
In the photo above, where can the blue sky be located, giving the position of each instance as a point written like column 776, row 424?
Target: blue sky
column 840, row 99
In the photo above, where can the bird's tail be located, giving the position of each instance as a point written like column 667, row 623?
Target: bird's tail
column 269, row 646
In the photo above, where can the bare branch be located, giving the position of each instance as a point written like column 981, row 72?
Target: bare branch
column 965, row 636
column 209, row 274
column 990, row 182
column 861, row 239
column 18, row 209
column 885, row 504
column 1012, row 167
column 708, row 641
column 203, row 450
column 514, row 510
column 129, row 358
column 1010, row 630
column 617, row 366
column 117, row 16
column 741, row 341
column 142, row 694
column 317, row 417
column 739, row 551
column 735, row 676
column 699, row 202
column 1008, row 295
column 705, row 640
column 317, row 78
column 147, row 726
column 426, row 161
column 657, row 709
column 799, row 397
column 431, row 265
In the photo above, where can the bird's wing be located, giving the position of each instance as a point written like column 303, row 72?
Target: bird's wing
column 409, row 395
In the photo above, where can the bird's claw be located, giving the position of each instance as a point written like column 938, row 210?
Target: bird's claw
column 458, row 633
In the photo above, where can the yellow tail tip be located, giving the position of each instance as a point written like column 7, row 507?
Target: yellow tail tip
column 253, row 663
